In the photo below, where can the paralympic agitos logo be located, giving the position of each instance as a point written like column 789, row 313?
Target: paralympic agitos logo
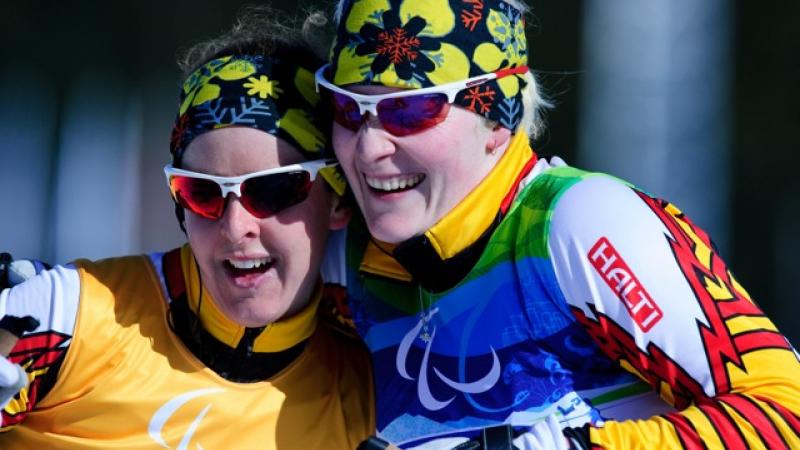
column 424, row 393
column 163, row 414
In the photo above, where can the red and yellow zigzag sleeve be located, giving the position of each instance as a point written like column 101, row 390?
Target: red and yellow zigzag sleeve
column 754, row 371
column 40, row 354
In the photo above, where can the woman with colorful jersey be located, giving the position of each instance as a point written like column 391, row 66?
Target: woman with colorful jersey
column 495, row 289
column 217, row 344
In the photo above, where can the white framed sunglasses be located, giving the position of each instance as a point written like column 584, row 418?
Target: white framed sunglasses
column 403, row 112
column 262, row 193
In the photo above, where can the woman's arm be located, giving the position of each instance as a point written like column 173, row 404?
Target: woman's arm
column 651, row 290
column 51, row 298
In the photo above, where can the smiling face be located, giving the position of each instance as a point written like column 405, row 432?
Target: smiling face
column 404, row 185
column 258, row 270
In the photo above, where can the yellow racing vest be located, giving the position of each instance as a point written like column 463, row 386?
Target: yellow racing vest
column 127, row 382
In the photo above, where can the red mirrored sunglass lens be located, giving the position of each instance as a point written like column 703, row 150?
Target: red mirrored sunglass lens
column 270, row 194
column 411, row 114
column 202, row 197
column 399, row 116
column 261, row 196
column 346, row 112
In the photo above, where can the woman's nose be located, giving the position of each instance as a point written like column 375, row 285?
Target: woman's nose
column 373, row 141
column 237, row 222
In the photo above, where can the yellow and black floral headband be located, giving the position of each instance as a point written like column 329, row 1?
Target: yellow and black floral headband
column 267, row 93
column 422, row 43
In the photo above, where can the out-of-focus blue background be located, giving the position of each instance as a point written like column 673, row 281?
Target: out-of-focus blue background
column 696, row 101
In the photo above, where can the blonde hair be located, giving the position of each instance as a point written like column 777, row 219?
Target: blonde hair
column 534, row 104
column 519, row 5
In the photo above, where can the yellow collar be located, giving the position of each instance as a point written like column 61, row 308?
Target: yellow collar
column 275, row 337
column 465, row 223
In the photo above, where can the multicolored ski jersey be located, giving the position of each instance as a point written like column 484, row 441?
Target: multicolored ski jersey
column 108, row 371
column 588, row 300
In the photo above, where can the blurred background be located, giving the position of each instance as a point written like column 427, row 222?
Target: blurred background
column 695, row 101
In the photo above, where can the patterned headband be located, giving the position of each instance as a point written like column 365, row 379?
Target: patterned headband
column 421, row 43
column 267, row 93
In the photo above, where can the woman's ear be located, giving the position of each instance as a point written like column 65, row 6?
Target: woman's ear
column 498, row 138
column 340, row 213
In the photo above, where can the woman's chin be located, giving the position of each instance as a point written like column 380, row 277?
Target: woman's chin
column 393, row 230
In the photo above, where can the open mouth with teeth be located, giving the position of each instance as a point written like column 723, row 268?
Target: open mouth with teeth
column 248, row 267
column 394, row 184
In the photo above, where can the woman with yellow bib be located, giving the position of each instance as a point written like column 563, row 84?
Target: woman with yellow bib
column 219, row 343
